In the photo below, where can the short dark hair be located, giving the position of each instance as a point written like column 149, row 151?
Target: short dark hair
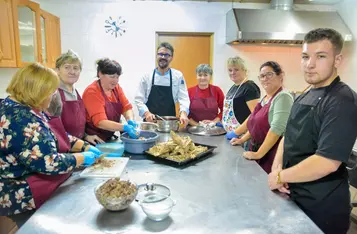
column 167, row 46
column 108, row 66
column 274, row 65
column 330, row 34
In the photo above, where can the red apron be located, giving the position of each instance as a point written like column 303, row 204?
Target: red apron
column 258, row 127
column 43, row 186
column 74, row 126
column 203, row 108
column 113, row 110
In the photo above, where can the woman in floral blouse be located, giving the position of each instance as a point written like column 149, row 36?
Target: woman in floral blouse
column 34, row 148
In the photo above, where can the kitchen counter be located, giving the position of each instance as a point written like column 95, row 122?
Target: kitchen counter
column 222, row 194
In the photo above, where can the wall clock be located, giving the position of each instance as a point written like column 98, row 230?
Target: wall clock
column 115, row 27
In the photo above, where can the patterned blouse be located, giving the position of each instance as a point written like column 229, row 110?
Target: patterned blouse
column 27, row 147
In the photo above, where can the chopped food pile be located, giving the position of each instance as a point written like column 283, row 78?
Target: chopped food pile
column 115, row 188
column 178, row 149
column 102, row 163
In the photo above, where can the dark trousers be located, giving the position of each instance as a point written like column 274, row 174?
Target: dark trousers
column 329, row 221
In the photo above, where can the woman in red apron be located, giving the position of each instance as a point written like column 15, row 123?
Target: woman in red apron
column 206, row 100
column 68, row 103
column 106, row 102
column 267, row 123
column 34, row 149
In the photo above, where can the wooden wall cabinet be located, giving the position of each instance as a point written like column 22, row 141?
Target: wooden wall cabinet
column 7, row 37
column 27, row 34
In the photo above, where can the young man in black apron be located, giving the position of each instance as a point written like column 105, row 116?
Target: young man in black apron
column 310, row 164
column 160, row 90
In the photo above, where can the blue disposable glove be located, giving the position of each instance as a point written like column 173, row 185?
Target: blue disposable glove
column 133, row 133
column 89, row 158
column 219, row 124
column 231, row 135
column 95, row 150
column 132, row 123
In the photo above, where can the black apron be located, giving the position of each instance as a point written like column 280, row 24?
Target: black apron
column 161, row 100
column 327, row 200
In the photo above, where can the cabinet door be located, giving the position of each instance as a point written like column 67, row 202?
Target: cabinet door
column 7, row 36
column 50, row 36
column 27, row 31
column 56, row 30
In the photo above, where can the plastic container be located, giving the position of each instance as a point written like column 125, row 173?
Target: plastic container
column 112, row 149
column 157, row 207
column 136, row 146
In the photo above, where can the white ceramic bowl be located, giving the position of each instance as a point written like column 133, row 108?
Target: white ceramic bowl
column 115, row 204
column 157, row 207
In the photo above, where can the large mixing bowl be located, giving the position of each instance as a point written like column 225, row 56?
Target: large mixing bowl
column 138, row 146
column 169, row 123
column 115, row 203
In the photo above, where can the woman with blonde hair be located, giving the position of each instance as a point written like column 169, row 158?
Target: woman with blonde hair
column 241, row 98
column 34, row 148
column 67, row 102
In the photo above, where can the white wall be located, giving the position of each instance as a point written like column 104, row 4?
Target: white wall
column 82, row 29
column 348, row 11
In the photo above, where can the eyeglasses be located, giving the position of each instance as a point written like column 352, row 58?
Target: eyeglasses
column 267, row 75
column 164, row 55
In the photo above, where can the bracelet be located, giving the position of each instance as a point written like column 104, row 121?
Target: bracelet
column 84, row 146
column 278, row 179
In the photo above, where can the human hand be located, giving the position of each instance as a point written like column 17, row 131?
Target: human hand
column 95, row 151
column 231, row 135
column 273, row 179
column 149, row 117
column 94, row 139
column 132, row 123
column 183, row 119
column 88, row 158
column 251, row 155
column 236, row 141
column 133, row 133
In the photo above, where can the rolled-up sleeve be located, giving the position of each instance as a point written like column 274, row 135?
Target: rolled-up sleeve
column 142, row 95
column 279, row 111
column 182, row 96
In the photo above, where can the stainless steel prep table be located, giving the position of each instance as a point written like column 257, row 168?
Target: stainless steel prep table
column 222, row 194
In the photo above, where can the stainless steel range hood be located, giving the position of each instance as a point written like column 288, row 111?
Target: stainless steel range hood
column 279, row 25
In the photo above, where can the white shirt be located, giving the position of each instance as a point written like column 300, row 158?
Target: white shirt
column 179, row 90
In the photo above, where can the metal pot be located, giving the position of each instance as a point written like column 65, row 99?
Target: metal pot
column 170, row 123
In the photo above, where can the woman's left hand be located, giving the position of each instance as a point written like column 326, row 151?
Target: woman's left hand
column 251, row 155
column 95, row 150
column 94, row 139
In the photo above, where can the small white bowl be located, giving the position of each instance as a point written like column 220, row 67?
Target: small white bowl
column 157, row 207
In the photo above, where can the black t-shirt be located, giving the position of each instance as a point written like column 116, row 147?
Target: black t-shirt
column 247, row 92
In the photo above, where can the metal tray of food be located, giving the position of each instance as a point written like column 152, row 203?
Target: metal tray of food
column 184, row 163
column 206, row 131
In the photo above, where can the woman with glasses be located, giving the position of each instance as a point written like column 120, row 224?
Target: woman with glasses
column 67, row 102
column 206, row 100
column 106, row 102
column 266, row 125
column 161, row 89
column 241, row 98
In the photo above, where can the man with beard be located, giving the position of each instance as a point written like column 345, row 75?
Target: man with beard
column 161, row 89
column 319, row 137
